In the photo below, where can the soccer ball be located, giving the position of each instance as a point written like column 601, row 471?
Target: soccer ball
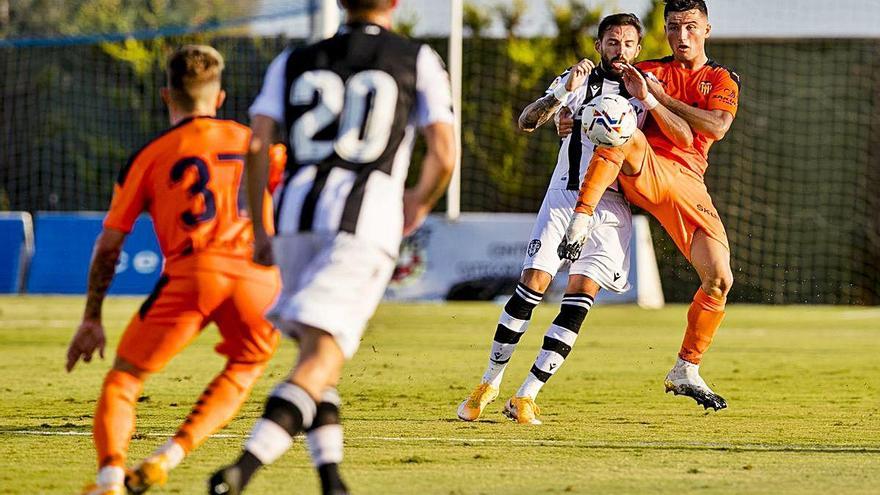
column 609, row 120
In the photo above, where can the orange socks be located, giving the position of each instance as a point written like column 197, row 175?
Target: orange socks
column 114, row 417
column 704, row 317
column 604, row 168
column 218, row 403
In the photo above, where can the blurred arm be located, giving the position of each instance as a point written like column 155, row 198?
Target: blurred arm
column 436, row 170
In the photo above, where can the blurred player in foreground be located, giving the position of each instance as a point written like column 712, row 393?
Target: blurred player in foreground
column 666, row 179
column 188, row 179
column 349, row 106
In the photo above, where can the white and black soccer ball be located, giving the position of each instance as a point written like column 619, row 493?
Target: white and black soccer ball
column 609, row 120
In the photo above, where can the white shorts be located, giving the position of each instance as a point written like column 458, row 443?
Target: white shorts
column 605, row 256
column 330, row 281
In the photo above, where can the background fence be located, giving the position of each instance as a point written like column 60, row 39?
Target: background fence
column 796, row 180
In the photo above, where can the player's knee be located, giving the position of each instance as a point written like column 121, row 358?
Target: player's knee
column 124, row 366
column 616, row 155
column 244, row 375
column 719, row 284
column 327, row 412
column 535, row 279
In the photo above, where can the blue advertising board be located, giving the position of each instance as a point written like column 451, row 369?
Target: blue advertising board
column 64, row 243
column 16, row 246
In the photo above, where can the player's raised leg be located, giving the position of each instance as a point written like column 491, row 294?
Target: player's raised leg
column 605, row 166
column 711, row 259
column 512, row 324
column 558, row 342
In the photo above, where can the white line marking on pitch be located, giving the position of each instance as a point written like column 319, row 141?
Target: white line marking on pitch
column 538, row 442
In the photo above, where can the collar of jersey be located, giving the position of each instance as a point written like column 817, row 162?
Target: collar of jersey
column 362, row 25
column 190, row 119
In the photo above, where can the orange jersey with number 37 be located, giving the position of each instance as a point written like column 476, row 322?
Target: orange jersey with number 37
column 190, row 180
column 711, row 87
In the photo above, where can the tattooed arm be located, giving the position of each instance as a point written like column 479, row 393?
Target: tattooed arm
column 90, row 334
column 543, row 109
column 539, row 112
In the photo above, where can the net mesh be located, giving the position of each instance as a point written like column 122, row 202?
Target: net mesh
column 795, row 180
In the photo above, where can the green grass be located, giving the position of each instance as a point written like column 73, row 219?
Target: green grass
column 803, row 384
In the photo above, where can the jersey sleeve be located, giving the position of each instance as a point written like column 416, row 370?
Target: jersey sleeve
column 270, row 101
column 560, row 79
column 433, row 92
column 129, row 195
column 725, row 92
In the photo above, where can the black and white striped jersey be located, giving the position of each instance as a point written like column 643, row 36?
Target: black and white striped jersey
column 349, row 107
column 573, row 160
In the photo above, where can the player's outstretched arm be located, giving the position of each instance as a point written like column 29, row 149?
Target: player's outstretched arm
column 712, row 123
column 257, row 170
column 646, row 89
column 542, row 110
column 89, row 336
column 436, row 170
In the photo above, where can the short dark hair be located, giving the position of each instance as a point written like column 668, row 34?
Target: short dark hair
column 361, row 5
column 620, row 20
column 684, row 6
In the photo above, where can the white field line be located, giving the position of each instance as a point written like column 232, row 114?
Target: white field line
column 874, row 449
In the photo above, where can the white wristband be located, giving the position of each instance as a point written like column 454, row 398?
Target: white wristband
column 650, row 102
column 560, row 93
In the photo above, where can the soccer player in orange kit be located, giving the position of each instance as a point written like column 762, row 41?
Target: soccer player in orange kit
column 188, row 179
column 666, row 179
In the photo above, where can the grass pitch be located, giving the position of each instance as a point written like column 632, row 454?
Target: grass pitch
column 803, row 384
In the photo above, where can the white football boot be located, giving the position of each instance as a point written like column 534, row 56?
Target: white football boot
column 684, row 379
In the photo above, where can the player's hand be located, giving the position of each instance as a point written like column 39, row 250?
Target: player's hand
column 635, row 82
column 655, row 86
column 414, row 211
column 578, row 74
column 579, row 230
column 88, row 338
column 263, row 254
column 564, row 122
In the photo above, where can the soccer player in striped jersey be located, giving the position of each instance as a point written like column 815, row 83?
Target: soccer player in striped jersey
column 665, row 178
column 350, row 106
column 604, row 263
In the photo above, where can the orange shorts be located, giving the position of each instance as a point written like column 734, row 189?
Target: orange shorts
column 677, row 197
column 185, row 301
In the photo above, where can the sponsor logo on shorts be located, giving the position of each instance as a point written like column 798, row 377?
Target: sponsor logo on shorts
column 707, row 211
column 534, row 246
column 616, row 276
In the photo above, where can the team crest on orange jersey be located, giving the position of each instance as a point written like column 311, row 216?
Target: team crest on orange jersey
column 705, row 87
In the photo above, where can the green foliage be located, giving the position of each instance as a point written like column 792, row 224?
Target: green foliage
column 516, row 164
column 72, row 17
column 476, row 20
column 405, row 21
column 654, row 43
